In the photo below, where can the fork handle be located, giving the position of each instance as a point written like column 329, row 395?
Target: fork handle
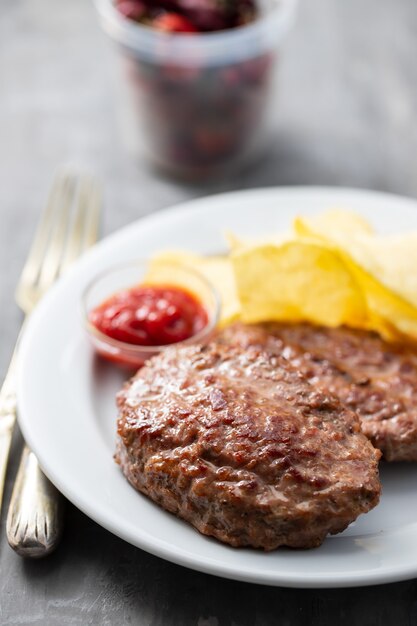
column 7, row 419
column 35, row 518
column 7, row 422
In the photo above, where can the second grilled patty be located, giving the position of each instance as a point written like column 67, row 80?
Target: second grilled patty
column 376, row 379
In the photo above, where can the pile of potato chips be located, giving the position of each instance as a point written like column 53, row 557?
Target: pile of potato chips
column 331, row 269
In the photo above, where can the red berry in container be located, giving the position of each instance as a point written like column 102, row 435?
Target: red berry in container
column 173, row 23
column 206, row 15
column 132, row 9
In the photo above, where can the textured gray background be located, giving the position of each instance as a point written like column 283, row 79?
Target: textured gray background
column 347, row 116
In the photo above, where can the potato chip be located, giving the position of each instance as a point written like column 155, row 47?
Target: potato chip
column 332, row 270
column 388, row 258
column 381, row 264
column 331, row 222
column 239, row 243
column 297, row 280
column 218, row 271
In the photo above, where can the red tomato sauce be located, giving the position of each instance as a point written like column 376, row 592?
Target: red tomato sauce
column 150, row 315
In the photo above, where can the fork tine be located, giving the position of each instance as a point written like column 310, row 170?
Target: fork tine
column 35, row 257
column 58, row 236
column 67, row 227
column 85, row 223
column 91, row 230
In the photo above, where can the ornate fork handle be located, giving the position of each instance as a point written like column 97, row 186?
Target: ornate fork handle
column 8, row 407
column 34, row 521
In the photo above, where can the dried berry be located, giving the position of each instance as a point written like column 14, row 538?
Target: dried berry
column 132, row 9
column 198, row 15
column 173, row 23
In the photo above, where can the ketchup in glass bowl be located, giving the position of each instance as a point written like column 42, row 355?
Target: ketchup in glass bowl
column 135, row 310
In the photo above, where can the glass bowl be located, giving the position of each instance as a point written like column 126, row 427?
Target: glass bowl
column 128, row 275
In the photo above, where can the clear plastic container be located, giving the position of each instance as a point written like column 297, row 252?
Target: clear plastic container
column 199, row 104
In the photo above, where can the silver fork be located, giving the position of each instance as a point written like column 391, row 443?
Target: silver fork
column 68, row 226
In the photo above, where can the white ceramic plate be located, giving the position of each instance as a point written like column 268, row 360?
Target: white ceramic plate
column 67, row 412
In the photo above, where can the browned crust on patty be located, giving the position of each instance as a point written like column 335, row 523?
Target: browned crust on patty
column 374, row 378
column 239, row 444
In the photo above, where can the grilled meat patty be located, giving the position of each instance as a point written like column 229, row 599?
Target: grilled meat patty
column 376, row 379
column 239, row 444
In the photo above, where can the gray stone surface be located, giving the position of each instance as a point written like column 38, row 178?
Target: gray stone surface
column 347, row 116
